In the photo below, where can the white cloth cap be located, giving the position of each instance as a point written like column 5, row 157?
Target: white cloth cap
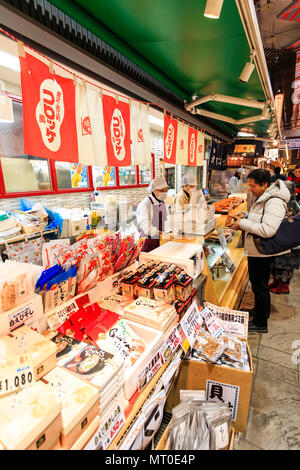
column 189, row 178
column 157, row 183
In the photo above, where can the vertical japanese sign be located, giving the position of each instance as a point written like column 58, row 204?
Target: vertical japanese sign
column 90, row 126
column 182, row 144
column 117, row 130
column 170, row 139
column 189, row 326
column 200, row 148
column 140, row 133
column 192, row 147
column 49, row 117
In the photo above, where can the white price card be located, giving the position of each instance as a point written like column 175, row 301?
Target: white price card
column 58, row 316
column 221, row 393
column 170, row 345
column 190, row 325
column 233, row 322
column 108, row 431
column 23, row 316
column 212, row 323
column 134, row 438
column 146, row 375
column 15, row 374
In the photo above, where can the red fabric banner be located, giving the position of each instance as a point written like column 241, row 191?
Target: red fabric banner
column 170, row 139
column 192, row 147
column 117, row 131
column 49, row 119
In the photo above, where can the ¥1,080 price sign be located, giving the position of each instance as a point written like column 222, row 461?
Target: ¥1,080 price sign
column 15, row 374
column 189, row 327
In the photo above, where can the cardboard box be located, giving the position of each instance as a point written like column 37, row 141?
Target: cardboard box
column 193, row 375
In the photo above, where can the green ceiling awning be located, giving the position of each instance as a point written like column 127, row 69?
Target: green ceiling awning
column 173, row 41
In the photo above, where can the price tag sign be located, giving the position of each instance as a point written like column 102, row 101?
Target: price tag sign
column 106, row 433
column 149, row 372
column 189, row 327
column 170, row 345
column 16, row 374
column 212, row 323
column 58, row 316
column 22, row 316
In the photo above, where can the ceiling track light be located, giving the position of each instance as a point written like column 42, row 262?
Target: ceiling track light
column 213, row 9
column 248, row 69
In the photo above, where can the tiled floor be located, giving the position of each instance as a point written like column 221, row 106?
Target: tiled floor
column 274, row 416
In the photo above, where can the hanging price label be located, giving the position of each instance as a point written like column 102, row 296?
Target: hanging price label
column 189, row 327
column 108, row 431
column 16, row 374
column 58, row 316
column 146, row 375
column 170, row 345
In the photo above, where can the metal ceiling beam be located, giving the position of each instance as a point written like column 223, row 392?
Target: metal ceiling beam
column 249, row 19
column 71, row 55
column 225, row 99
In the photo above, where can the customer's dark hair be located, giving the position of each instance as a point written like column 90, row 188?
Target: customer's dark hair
column 277, row 170
column 260, row 176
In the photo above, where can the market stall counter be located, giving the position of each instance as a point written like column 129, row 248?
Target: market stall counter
column 224, row 263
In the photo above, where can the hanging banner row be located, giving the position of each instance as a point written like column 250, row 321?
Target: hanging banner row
column 64, row 119
column 183, row 144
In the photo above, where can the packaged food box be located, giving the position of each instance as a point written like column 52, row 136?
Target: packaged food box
column 80, row 403
column 123, row 339
column 183, row 290
column 151, row 313
column 30, row 419
column 65, row 345
column 86, row 438
column 24, row 340
column 143, row 291
column 114, row 303
column 165, row 293
column 129, row 284
column 96, row 365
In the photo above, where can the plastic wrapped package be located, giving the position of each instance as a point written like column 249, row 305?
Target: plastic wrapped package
column 95, row 267
column 219, row 425
column 233, row 348
column 53, row 249
column 17, row 282
column 208, row 346
column 199, row 433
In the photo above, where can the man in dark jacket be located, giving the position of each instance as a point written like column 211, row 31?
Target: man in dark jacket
column 277, row 175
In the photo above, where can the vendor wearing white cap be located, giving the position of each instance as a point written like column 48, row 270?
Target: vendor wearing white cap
column 182, row 199
column 152, row 213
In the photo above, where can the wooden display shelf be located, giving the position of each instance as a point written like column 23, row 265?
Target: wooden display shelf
column 138, row 404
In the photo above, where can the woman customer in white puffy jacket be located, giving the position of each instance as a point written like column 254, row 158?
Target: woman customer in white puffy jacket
column 266, row 213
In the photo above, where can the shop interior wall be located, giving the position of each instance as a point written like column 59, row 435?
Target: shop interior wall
column 83, row 199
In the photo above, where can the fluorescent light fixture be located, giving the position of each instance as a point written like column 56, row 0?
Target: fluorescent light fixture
column 213, row 9
column 246, row 134
column 247, row 70
column 6, row 109
column 155, row 120
column 9, row 61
